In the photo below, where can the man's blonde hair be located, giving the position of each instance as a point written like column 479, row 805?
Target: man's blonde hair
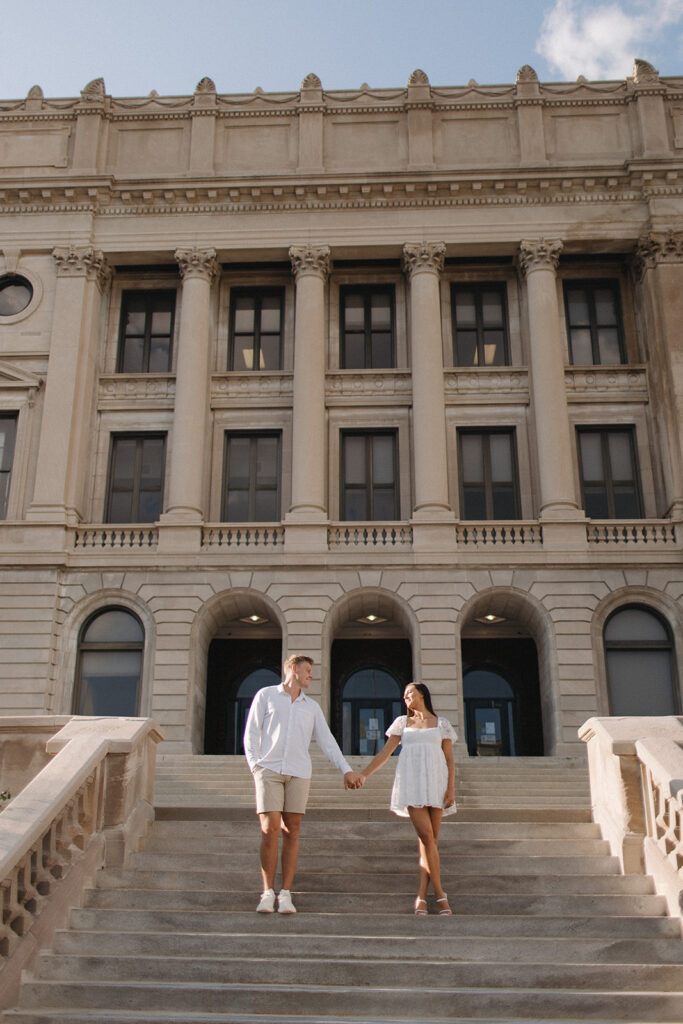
column 296, row 659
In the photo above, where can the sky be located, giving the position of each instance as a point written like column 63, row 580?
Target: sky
column 168, row 45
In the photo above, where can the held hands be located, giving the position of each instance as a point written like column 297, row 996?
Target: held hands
column 353, row 781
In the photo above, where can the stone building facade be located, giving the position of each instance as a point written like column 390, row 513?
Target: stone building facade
column 392, row 377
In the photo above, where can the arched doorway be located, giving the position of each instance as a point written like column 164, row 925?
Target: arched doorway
column 368, row 679
column 237, row 670
column 639, row 653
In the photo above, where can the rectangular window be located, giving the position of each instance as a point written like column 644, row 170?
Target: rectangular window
column 369, row 476
column 480, row 330
column 488, row 475
column 251, row 478
column 256, row 317
column 8, row 434
column 146, row 333
column 136, row 478
column 609, row 473
column 594, row 323
column 367, row 327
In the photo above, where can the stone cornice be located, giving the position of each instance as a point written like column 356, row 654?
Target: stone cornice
column 423, row 257
column 197, row 262
column 539, row 254
column 310, row 259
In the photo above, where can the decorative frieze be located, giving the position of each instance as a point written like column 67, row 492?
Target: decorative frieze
column 485, row 386
column 607, row 384
column 75, row 261
column 658, row 247
column 123, row 390
column 310, row 259
column 197, row 263
column 230, row 388
column 540, row 254
column 423, row 257
column 348, row 387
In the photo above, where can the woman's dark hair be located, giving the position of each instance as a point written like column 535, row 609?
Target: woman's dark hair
column 424, row 690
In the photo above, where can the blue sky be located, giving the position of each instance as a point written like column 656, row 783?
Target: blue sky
column 168, row 45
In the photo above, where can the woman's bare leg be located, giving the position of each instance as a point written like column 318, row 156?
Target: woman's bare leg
column 422, row 823
column 435, row 814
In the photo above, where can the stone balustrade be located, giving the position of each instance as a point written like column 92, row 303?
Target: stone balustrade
column 636, row 779
column 85, row 809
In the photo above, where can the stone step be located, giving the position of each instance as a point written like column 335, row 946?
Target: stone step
column 319, row 897
column 452, row 948
column 168, row 832
column 199, row 812
column 376, row 972
column 404, row 1003
column 396, row 918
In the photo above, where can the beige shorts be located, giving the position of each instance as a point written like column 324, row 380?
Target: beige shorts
column 276, row 792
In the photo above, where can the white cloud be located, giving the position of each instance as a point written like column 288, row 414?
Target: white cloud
column 602, row 40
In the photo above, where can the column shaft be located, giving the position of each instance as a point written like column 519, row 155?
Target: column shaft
column 309, row 442
column 423, row 264
column 548, row 392
column 188, row 455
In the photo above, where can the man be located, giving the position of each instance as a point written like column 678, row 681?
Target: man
column 281, row 722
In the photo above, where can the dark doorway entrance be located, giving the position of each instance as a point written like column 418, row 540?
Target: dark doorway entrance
column 236, row 670
column 368, row 679
column 502, row 698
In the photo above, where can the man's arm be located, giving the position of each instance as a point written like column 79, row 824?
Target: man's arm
column 252, row 730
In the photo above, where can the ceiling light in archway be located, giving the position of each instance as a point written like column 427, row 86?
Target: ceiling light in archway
column 490, row 619
column 254, row 620
column 371, row 620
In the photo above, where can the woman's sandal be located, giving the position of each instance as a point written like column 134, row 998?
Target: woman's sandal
column 446, row 912
column 420, row 912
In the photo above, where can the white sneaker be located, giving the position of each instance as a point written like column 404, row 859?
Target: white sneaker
column 284, row 902
column 267, row 904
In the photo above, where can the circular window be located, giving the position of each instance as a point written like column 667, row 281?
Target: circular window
column 15, row 294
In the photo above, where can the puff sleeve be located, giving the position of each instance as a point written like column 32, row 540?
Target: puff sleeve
column 397, row 726
column 447, row 730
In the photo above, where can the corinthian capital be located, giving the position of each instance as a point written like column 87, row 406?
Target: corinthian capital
column 419, row 257
column 310, row 259
column 81, row 261
column 541, row 254
column 197, row 263
column 658, row 247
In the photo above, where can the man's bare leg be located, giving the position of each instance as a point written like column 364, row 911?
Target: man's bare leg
column 291, row 824
column 271, row 823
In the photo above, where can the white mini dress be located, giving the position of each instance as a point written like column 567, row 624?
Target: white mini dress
column 421, row 773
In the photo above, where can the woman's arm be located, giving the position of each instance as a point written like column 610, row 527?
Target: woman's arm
column 380, row 758
column 449, row 798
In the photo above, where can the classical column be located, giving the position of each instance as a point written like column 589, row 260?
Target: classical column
column 423, row 262
column 188, row 455
column 538, row 262
column 70, row 393
column 311, row 266
column 659, row 273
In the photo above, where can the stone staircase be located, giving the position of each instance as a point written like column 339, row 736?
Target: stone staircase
column 545, row 929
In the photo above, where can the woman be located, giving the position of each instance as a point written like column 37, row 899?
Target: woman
column 424, row 786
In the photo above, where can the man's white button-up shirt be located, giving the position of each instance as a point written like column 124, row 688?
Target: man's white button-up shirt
column 279, row 732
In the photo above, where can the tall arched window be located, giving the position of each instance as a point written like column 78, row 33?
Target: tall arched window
column 640, row 669
column 109, row 665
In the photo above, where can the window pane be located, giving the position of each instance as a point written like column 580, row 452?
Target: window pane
column 635, row 625
column 354, row 352
column 121, row 507
column 503, row 499
column 577, row 304
column 620, row 455
column 238, row 461
column 160, row 355
column 354, row 460
column 380, row 312
column 381, row 352
column 237, row 507
column 15, row 295
column 8, row 427
column 354, row 312
column 466, row 348
column 384, row 504
column 640, row 682
column 608, row 346
column 109, row 683
column 244, row 315
column 595, row 501
column 582, row 351
column 475, row 503
column 266, row 461
column 501, row 458
column 472, row 453
column 243, row 353
column 123, row 463
column 115, row 626
column 149, row 507
column 133, row 355
column 465, row 309
column 492, row 309
column 383, row 459
column 605, row 306
column 494, row 348
column 152, row 463
column 591, row 456
column 626, row 504
column 354, row 504
column 270, row 314
column 266, row 507
column 270, row 352
column 161, row 322
column 135, row 321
